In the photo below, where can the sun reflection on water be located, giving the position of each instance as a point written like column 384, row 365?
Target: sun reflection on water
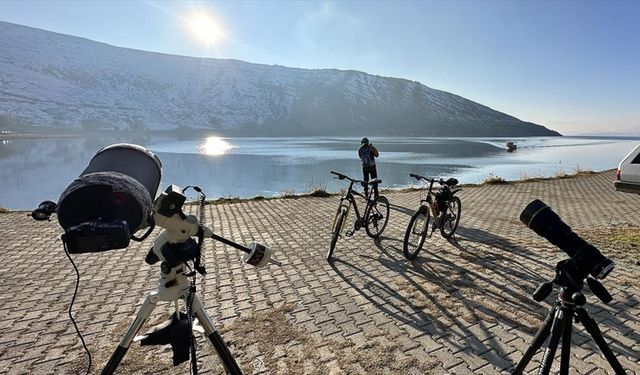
column 215, row 146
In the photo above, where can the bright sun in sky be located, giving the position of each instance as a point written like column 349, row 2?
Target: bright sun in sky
column 204, row 28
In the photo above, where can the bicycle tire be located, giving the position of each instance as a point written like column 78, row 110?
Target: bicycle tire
column 335, row 234
column 377, row 211
column 409, row 252
column 451, row 218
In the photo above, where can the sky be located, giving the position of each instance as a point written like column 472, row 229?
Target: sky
column 573, row 66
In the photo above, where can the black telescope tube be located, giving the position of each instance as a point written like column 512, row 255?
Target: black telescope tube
column 541, row 219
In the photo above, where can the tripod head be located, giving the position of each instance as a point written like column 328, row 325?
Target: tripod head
column 175, row 244
column 571, row 280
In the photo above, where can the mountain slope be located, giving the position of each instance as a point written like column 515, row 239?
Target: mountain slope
column 59, row 82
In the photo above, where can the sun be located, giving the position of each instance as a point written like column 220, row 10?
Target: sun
column 204, row 28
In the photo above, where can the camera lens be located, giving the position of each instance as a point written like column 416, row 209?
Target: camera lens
column 546, row 223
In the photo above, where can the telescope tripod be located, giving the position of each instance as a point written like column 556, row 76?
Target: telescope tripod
column 174, row 285
column 567, row 309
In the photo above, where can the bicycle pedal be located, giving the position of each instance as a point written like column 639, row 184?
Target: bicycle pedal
column 350, row 233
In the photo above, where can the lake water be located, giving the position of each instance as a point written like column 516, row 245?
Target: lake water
column 33, row 170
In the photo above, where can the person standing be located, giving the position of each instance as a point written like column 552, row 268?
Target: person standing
column 368, row 154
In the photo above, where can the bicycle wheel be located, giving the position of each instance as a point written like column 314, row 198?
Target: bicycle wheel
column 377, row 216
column 416, row 233
column 340, row 217
column 450, row 218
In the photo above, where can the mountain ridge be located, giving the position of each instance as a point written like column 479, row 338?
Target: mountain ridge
column 65, row 83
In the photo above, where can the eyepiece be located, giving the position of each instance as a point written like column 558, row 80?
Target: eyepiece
column 44, row 210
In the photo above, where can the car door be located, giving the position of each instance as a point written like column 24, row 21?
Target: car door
column 630, row 167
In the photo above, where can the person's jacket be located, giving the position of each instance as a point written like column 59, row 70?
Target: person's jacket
column 368, row 154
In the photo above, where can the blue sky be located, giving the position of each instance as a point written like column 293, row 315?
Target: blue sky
column 573, row 66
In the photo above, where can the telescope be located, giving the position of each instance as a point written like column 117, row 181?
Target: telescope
column 587, row 258
column 585, row 262
column 111, row 200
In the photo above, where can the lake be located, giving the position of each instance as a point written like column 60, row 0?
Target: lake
column 33, row 170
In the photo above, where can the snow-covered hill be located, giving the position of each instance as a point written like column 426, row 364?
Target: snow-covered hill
column 58, row 81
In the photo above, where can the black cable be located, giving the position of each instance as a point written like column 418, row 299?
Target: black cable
column 192, row 338
column 199, row 266
column 75, row 293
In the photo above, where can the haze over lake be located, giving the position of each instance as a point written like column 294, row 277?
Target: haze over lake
column 33, row 170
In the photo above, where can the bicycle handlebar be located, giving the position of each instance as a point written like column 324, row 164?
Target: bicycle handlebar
column 342, row 177
column 339, row 175
column 441, row 181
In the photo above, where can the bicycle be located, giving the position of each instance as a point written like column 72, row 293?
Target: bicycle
column 445, row 208
column 374, row 220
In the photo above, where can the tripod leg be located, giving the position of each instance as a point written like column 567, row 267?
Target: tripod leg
column 592, row 327
column 538, row 339
column 565, row 354
column 559, row 321
column 229, row 363
column 142, row 316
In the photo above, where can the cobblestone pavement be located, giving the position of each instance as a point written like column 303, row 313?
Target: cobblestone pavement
column 461, row 307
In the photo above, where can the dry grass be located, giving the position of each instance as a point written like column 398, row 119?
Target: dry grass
column 273, row 343
column 138, row 360
column 494, row 180
column 622, row 245
column 526, row 177
column 621, row 242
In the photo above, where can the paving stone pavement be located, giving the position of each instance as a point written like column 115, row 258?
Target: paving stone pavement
column 462, row 307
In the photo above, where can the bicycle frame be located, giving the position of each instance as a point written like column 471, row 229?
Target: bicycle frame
column 429, row 199
column 429, row 196
column 350, row 196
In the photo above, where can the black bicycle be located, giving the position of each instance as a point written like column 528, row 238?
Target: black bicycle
column 374, row 220
column 445, row 208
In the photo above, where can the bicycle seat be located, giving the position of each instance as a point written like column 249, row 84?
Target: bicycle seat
column 374, row 181
column 451, row 182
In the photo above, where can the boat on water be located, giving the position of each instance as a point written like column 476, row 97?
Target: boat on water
column 511, row 146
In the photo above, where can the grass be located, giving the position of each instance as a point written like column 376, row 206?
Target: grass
column 314, row 189
column 224, row 200
column 494, row 180
column 526, row 177
column 621, row 243
column 317, row 189
column 4, row 210
column 624, row 237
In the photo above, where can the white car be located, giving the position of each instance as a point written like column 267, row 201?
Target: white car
column 628, row 175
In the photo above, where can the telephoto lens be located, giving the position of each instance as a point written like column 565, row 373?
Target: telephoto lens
column 588, row 259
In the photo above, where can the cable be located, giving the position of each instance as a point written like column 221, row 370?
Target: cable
column 199, row 266
column 75, row 293
column 192, row 340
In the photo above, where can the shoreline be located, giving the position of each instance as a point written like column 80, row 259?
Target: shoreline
column 322, row 193
column 226, row 134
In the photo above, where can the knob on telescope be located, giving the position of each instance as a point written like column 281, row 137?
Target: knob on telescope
column 543, row 291
column 599, row 290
